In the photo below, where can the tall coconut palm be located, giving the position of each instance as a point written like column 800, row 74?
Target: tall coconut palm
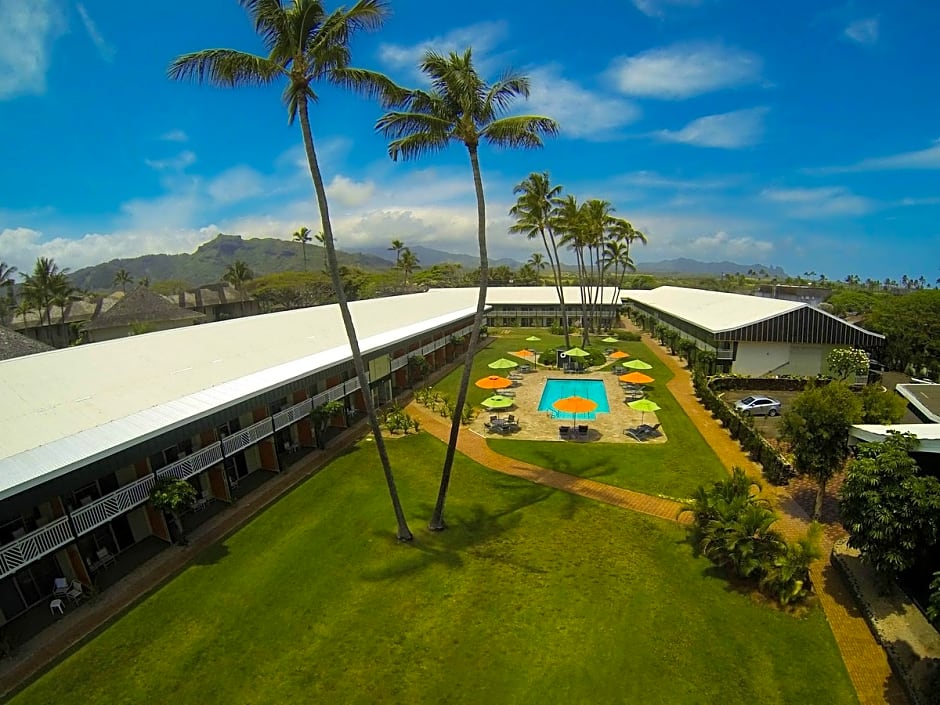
column 8, row 282
column 597, row 221
column 569, row 222
column 534, row 213
column 307, row 46
column 463, row 108
column 397, row 247
column 43, row 284
column 617, row 251
column 237, row 274
column 303, row 237
column 408, row 263
column 122, row 278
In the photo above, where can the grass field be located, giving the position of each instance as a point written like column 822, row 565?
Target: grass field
column 532, row 596
column 673, row 469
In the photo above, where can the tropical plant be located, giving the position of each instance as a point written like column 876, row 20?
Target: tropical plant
column 879, row 406
column 891, row 510
column 933, row 606
column 8, row 282
column 786, row 575
column 122, row 278
column 408, row 263
column 320, row 417
column 308, row 46
column 816, row 426
column 845, row 363
column 45, row 283
column 303, row 237
column 461, row 107
column 397, row 247
column 174, row 497
column 568, row 221
column 237, row 274
column 534, row 212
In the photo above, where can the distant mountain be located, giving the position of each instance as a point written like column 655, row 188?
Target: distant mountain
column 210, row 260
column 683, row 265
column 428, row 257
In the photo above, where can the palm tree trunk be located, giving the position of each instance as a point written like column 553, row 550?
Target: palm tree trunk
column 437, row 520
column 404, row 533
column 556, row 277
column 582, row 278
column 820, row 496
column 303, row 248
column 561, row 292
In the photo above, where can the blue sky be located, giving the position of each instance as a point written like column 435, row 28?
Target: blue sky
column 802, row 134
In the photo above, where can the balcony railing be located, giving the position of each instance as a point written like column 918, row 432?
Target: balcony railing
column 248, row 436
column 724, row 354
column 36, row 544
column 195, row 463
column 294, row 413
column 111, row 505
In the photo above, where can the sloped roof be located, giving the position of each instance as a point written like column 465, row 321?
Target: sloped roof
column 539, row 295
column 141, row 306
column 715, row 311
column 13, row 344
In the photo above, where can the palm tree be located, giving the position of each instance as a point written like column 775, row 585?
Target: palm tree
column 534, row 212
column 237, row 274
column 303, row 237
column 461, row 107
column 308, row 46
column 397, row 247
column 408, row 263
column 569, row 220
column 623, row 235
column 538, row 263
column 22, row 309
column 45, row 282
column 122, row 277
column 8, row 282
column 321, row 239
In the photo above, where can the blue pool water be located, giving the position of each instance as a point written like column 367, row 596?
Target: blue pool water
column 556, row 389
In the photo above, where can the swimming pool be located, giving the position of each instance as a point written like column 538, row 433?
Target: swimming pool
column 556, row 389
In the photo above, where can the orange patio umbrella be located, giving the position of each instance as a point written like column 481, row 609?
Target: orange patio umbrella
column 575, row 405
column 636, row 378
column 493, row 382
column 619, row 355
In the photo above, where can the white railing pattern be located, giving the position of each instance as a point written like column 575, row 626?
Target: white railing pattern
column 399, row 362
column 111, row 505
column 34, row 545
column 195, row 463
column 351, row 386
column 292, row 414
column 248, row 436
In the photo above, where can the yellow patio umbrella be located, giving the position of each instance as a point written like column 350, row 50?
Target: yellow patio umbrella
column 637, row 365
column 493, row 382
column 502, row 364
column 636, row 378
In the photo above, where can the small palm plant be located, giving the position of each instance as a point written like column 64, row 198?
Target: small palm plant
column 174, row 497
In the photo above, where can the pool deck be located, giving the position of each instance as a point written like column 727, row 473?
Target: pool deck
column 540, row 426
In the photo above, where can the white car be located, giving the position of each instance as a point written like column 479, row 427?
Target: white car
column 758, row 406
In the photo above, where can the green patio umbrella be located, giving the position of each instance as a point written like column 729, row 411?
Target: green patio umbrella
column 497, row 402
column 502, row 364
column 608, row 339
column 644, row 406
column 577, row 352
column 533, row 339
column 637, row 365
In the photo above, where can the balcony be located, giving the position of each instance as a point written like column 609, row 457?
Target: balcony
column 111, row 505
column 33, row 545
column 197, row 462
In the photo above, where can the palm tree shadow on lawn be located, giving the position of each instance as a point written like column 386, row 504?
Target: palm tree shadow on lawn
column 470, row 530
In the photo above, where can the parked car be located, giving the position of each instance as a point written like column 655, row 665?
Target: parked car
column 758, row 406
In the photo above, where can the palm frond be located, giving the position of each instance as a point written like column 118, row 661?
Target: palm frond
column 396, row 125
column 293, row 93
column 519, row 131
column 504, row 92
column 270, row 19
column 416, row 145
column 371, row 84
column 224, row 67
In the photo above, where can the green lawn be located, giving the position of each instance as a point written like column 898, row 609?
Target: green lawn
column 673, row 469
column 532, row 596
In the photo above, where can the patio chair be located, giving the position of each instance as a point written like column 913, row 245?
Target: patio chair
column 511, row 418
column 494, row 418
column 104, row 557
column 57, row 606
column 60, row 587
column 583, row 431
column 563, row 431
column 635, row 434
column 76, row 591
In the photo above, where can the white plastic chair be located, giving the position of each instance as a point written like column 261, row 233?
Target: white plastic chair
column 57, row 606
column 76, row 592
column 61, row 587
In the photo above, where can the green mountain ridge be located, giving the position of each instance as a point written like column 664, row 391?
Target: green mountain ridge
column 210, row 260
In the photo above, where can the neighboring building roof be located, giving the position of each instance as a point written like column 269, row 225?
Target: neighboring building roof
column 13, row 344
column 141, row 306
column 68, row 407
column 719, row 313
column 923, row 397
column 928, row 434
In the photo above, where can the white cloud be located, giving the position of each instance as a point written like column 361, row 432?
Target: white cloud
column 27, row 32
column 734, row 130
column 822, row 202
column 920, row 159
column 483, row 37
column 864, row 31
column 176, row 163
column 657, row 8
column 174, row 136
column 684, row 70
column 579, row 112
column 236, row 184
column 349, row 193
column 652, row 179
column 721, row 245
column 105, row 50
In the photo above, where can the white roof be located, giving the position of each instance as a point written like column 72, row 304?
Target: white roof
column 64, row 408
column 928, row 434
column 542, row 295
column 715, row 311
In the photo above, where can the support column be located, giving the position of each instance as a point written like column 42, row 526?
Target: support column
column 266, row 449
column 79, row 569
column 217, row 483
column 304, row 427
